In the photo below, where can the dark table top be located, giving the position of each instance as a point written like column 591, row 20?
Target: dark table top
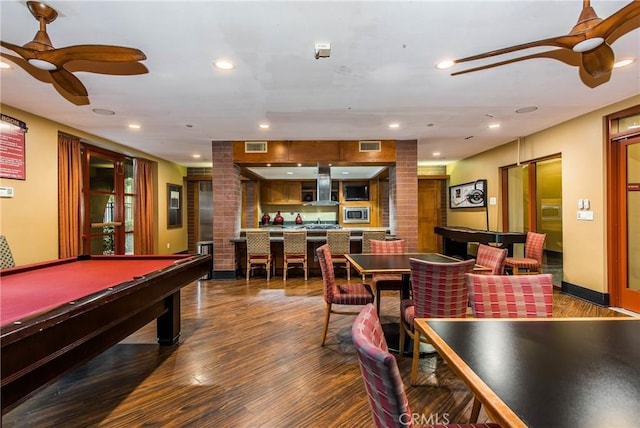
column 396, row 263
column 560, row 372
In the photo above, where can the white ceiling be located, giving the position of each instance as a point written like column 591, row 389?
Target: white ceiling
column 381, row 70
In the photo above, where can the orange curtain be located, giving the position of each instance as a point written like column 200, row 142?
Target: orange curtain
column 143, row 211
column 69, row 195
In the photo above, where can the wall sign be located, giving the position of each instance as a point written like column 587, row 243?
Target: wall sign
column 12, row 154
column 468, row 195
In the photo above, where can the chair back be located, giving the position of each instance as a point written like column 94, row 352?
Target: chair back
column 328, row 275
column 6, row 257
column 295, row 242
column 368, row 236
column 339, row 242
column 258, row 243
column 439, row 289
column 387, row 397
column 491, row 257
column 511, row 296
column 397, row 246
column 534, row 246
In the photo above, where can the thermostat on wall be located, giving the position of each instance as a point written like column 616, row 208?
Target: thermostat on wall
column 6, row 192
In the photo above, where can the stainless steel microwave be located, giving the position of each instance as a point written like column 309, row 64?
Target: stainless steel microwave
column 355, row 215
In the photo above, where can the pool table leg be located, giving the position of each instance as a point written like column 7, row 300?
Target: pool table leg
column 168, row 324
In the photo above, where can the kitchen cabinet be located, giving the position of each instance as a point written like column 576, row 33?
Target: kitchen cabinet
column 281, row 192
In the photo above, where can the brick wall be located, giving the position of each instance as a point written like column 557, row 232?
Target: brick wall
column 227, row 201
column 403, row 190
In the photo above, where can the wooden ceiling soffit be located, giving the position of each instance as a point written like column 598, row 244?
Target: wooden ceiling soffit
column 335, row 151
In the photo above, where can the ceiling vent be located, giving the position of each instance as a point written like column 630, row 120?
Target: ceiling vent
column 369, row 146
column 255, row 147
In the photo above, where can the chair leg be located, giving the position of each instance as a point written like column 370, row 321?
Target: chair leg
column 348, row 266
column 284, row 270
column 304, row 266
column 248, row 269
column 475, row 410
column 326, row 322
column 378, row 293
column 268, row 269
column 416, row 356
column 403, row 332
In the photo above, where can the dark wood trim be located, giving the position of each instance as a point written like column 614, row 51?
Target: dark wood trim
column 224, row 274
column 591, row 296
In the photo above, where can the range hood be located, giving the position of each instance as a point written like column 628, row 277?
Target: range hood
column 323, row 189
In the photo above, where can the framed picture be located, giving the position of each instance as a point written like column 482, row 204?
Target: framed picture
column 468, row 195
column 174, row 206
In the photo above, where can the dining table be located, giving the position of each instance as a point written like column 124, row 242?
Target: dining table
column 397, row 263
column 545, row 372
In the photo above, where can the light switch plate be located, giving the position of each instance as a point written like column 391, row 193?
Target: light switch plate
column 6, row 192
column 585, row 215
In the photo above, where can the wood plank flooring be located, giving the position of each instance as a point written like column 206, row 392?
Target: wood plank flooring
column 249, row 355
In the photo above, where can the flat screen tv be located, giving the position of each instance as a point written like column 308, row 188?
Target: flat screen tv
column 354, row 192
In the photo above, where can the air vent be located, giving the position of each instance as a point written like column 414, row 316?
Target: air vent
column 255, row 147
column 369, row 146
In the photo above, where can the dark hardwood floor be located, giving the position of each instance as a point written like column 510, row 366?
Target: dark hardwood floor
column 249, row 355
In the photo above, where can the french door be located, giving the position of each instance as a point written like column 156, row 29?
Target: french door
column 624, row 209
column 107, row 191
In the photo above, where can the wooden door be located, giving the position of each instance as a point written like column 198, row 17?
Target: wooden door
column 429, row 214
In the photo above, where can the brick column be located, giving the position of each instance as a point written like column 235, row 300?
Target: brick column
column 403, row 194
column 227, row 203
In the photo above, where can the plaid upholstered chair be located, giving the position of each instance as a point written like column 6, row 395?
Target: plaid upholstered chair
column 339, row 242
column 258, row 251
column 6, row 257
column 295, row 251
column 531, row 263
column 334, row 294
column 492, row 258
column 386, row 281
column 509, row 296
column 439, row 291
column 382, row 381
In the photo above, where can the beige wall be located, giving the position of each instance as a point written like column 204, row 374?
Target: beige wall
column 582, row 145
column 29, row 220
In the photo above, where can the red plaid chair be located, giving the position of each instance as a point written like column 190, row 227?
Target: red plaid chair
column 334, row 294
column 386, row 281
column 531, row 263
column 507, row 296
column 491, row 257
column 439, row 291
column 382, row 381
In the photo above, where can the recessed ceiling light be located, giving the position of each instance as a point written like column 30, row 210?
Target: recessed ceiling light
column 494, row 126
column 624, row 62
column 268, row 164
column 526, row 109
column 263, row 126
column 394, row 125
column 299, row 164
column 436, row 153
column 289, row 172
column 4, row 65
column 447, row 63
column 103, row 111
column 134, row 126
column 196, row 156
column 224, row 64
column 345, row 172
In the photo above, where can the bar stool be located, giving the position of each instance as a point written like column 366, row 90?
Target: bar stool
column 340, row 244
column 258, row 251
column 295, row 250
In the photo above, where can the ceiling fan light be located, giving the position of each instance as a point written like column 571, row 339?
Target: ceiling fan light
column 624, row 62
column 43, row 65
column 589, row 44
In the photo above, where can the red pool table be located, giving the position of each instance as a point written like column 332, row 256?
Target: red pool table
column 58, row 314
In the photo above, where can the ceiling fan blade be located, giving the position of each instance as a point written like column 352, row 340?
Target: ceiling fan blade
column 563, row 55
column 598, row 61
column 567, row 42
column 23, row 52
column 69, row 82
column 100, row 53
column 608, row 26
column 39, row 74
column 110, row 68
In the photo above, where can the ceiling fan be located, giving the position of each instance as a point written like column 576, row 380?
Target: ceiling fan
column 48, row 64
column 588, row 44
